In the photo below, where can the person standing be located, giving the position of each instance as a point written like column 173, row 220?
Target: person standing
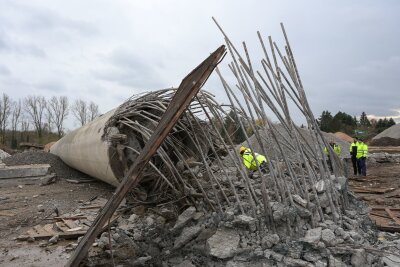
column 353, row 153
column 362, row 153
column 336, row 148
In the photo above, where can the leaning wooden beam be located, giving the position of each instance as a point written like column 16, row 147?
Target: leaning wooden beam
column 187, row 90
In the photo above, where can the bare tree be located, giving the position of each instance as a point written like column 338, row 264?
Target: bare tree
column 25, row 128
column 80, row 111
column 15, row 118
column 58, row 107
column 49, row 119
column 35, row 106
column 93, row 111
column 5, row 110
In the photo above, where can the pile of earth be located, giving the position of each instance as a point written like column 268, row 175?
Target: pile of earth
column 389, row 137
column 57, row 166
column 344, row 137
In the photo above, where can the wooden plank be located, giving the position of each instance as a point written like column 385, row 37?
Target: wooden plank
column 372, row 190
column 187, row 90
column 50, row 229
column 71, row 224
column 6, row 213
column 62, row 226
column 392, row 216
column 39, row 230
column 65, row 235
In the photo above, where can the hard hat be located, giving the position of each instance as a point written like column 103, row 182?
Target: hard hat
column 242, row 149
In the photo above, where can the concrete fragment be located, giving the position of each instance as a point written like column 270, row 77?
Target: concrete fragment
column 299, row 200
column 224, row 243
column 359, row 259
column 323, row 200
column 54, row 239
column 269, row 240
column 313, row 236
column 296, row 262
column 335, row 262
column 22, row 171
column 312, row 256
column 328, row 236
column 245, row 222
column 185, row 217
column 320, row 186
column 187, row 235
column 270, row 254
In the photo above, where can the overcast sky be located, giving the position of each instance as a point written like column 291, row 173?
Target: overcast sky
column 348, row 52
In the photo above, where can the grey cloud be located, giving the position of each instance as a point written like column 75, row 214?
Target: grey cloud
column 4, row 71
column 51, row 86
column 127, row 69
column 8, row 45
column 43, row 21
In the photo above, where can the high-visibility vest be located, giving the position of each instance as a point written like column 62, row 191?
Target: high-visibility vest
column 249, row 162
column 336, row 149
column 353, row 149
column 362, row 150
column 365, row 150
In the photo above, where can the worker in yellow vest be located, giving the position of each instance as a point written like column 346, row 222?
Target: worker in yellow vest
column 362, row 153
column 336, row 148
column 353, row 153
column 251, row 163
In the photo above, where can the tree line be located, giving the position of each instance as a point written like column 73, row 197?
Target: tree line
column 343, row 122
column 43, row 116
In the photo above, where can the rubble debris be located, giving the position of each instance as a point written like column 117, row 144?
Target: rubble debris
column 23, row 171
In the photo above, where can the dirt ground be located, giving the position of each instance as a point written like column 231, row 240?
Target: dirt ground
column 20, row 209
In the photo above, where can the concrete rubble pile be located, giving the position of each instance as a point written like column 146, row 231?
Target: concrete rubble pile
column 197, row 206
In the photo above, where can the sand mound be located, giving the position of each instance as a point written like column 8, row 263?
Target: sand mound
column 389, row 137
column 344, row 137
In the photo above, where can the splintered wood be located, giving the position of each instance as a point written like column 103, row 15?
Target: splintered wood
column 69, row 226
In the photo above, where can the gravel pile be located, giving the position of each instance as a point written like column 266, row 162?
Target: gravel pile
column 389, row 137
column 40, row 157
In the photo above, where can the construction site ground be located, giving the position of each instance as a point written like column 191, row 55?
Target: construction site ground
column 24, row 203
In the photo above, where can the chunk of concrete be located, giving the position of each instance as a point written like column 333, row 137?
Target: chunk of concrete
column 245, row 222
column 187, row 235
column 359, row 258
column 328, row 236
column 22, row 171
column 269, row 240
column 313, row 236
column 185, row 217
column 224, row 243
column 299, row 200
column 320, row 186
